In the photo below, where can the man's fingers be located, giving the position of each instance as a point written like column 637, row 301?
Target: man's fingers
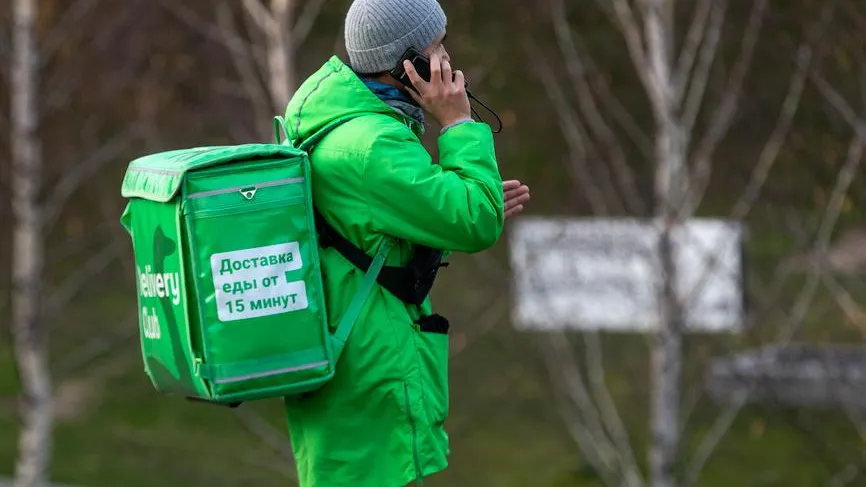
column 458, row 78
column 435, row 69
column 519, row 200
column 517, row 192
column 446, row 72
column 510, row 184
column 513, row 211
column 413, row 75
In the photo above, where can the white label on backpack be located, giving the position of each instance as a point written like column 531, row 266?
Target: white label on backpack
column 256, row 282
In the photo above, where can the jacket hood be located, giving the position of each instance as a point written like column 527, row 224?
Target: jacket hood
column 333, row 94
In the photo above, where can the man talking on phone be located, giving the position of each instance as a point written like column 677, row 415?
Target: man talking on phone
column 380, row 421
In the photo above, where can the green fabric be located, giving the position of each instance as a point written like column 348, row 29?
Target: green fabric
column 380, row 421
column 214, row 305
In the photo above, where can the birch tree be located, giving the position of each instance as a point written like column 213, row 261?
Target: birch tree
column 28, row 253
column 38, row 203
column 603, row 137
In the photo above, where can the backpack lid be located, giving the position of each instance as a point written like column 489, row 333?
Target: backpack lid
column 158, row 177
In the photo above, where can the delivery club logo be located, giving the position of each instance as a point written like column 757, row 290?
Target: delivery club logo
column 155, row 284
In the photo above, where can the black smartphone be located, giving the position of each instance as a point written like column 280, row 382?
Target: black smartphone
column 422, row 66
column 419, row 61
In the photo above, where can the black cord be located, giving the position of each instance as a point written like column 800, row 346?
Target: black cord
column 498, row 120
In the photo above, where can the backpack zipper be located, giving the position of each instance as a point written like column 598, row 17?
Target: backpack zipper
column 235, row 189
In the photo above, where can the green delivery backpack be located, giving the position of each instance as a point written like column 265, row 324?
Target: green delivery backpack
column 230, row 297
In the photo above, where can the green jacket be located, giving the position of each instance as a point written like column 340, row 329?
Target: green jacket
column 379, row 422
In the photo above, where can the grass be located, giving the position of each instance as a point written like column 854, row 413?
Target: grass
column 504, row 426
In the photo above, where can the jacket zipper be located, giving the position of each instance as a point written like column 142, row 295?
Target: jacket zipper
column 414, row 435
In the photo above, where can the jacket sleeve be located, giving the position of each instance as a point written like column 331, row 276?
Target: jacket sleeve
column 455, row 205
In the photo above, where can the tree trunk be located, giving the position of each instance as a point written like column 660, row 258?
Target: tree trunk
column 28, row 255
column 666, row 354
column 281, row 75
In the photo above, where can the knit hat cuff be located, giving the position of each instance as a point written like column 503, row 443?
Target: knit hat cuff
column 385, row 57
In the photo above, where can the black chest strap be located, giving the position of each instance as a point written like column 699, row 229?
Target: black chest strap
column 410, row 284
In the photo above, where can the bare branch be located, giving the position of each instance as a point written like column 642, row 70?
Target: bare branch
column 766, row 160
column 724, row 114
column 306, row 20
column 722, row 424
column 80, row 173
column 570, row 126
column 838, row 103
column 620, row 114
column 260, row 15
column 97, row 347
column 232, row 42
column 169, row 441
column 769, row 154
column 625, row 176
column 585, row 441
column 609, row 414
column 263, row 430
column 70, row 22
column 846, row 302
column 586, row 428
column 243, row 64
column 76, row 282
column 857, row 418
column 697, row 85
column 486, row 319
column 656, row 72
column 690, row 404
column 771, row 149
column 632, row 34
column 803, row 302
column 256, row 43
column 70, row 246
column 693, row 41
column 65, row 82
column 711, row 440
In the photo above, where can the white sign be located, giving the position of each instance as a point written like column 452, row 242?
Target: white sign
column 256, row 282
column 591, row 274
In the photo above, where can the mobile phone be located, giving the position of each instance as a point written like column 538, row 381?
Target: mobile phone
column 422, row 66
column 418, row 60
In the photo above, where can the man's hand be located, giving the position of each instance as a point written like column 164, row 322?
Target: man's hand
column 443, row 97
column 515, row 195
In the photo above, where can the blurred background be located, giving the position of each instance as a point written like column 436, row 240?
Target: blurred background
column 745, row 112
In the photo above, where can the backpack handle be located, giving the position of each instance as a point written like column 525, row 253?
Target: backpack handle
column 280, row 126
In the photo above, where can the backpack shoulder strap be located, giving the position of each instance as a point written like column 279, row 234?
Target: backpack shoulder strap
column 372, row 271
column 347, row 321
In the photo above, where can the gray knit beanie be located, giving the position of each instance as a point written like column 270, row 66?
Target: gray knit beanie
column 378, row 32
